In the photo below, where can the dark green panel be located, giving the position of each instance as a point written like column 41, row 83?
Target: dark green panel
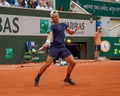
column 64, row 3
column 111, row 47
column 41, row 13
column 24, row 12
column 18, row 46
column 100, row 8
column 76, row 16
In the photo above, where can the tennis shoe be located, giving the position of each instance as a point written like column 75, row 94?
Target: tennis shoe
column 36, row 81
column 97, row 60
column 69, row 82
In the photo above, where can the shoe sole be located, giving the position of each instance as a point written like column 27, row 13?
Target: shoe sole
column 66, row 83
column 35, row 84
column 97, row 60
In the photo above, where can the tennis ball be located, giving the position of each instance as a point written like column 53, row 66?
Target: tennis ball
column 68, row 41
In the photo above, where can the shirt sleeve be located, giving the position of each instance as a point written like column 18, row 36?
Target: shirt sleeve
column 65, row 25
column 50, row 29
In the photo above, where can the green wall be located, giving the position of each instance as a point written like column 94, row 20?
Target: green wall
column 64, row 3
column 111, row 47
column 18, row 45
column 100, row 8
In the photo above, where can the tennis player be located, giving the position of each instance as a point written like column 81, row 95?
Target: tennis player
column 97, row 40
column 55, row 42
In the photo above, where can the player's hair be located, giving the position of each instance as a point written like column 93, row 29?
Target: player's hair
column 99, row 27
column 53, row 12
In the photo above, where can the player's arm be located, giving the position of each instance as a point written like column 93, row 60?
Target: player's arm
column 48, row 41
column 95, row 37
column 72, row 31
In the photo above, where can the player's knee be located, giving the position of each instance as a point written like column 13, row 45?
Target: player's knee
column 48, row 64
column 73, row 63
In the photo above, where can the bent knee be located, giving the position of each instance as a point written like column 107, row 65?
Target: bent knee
column 48, row 64
column 73, row 63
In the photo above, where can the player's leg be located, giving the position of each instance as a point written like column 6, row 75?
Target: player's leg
column 97, row 51
column 96, row 56
column 71, row 65
column 48, row 62
column 54, row 61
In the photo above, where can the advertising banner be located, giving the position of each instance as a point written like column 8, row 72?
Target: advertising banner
column 38, row 26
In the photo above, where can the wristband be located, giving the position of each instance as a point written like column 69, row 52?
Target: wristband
column 47, row 42
column 75, row 30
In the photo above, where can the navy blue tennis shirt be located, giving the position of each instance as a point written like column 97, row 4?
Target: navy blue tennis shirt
column 58, row 34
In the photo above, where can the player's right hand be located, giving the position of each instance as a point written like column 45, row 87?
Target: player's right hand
column 43, row 47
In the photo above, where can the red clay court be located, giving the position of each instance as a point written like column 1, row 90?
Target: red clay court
column 92, row 78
